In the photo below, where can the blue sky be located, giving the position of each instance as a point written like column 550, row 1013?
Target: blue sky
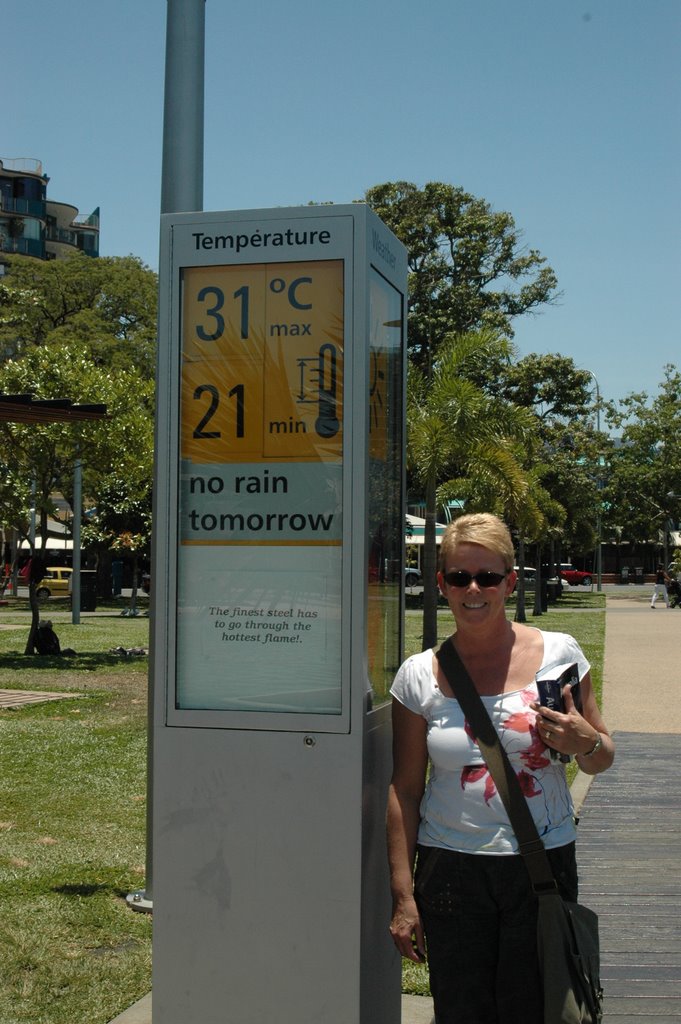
column 566, row 114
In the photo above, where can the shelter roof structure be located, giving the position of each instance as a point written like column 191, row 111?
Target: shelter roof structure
column 416, row 530
column 27, row 409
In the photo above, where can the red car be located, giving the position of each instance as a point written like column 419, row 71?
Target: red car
column 575, row 577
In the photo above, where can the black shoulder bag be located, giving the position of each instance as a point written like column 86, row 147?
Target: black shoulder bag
column 567, row 933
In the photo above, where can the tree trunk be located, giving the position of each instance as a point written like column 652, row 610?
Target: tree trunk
column 430, row 569
column 35, row 616
column 133, row 595
column 537, row 581
column 520, row 615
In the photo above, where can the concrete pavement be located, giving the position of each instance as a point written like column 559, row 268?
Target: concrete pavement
column 642, row 668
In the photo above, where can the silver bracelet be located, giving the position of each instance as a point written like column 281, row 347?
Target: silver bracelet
column 596, row 747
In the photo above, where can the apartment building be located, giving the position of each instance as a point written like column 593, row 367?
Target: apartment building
column 33, row 225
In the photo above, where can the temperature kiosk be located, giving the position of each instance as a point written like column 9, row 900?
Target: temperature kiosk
column 278, row 601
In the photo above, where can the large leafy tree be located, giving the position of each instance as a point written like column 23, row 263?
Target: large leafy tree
column 42, row 456
column 82, row 329
column 562, row 467
column 107, row 305
column 567, row 461
column 39, row 459
column 645, row 466
column 552, row 385
column 468, row 266
column 120, row 523
column 462, row 443
column 572, row 473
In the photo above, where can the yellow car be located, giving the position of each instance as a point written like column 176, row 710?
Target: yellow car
column 57, row 581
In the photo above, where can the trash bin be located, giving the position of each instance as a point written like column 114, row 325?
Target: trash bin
column 638, row 572
column 88, row 590
column 554, row 589
column 624, row 574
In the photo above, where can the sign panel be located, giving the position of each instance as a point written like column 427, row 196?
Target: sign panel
column 261, row 447
column 262, row 362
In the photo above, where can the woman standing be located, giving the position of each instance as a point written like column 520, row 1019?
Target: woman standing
column 471, row 902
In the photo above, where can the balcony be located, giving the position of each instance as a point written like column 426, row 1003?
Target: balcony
column 22, row 165
column 23, row 246
column 23, row 207
column 60, row 235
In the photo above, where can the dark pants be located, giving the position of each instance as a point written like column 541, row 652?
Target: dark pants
column 480, row 919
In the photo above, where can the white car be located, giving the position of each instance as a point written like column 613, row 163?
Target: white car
column 412, row 577
column 530, row 576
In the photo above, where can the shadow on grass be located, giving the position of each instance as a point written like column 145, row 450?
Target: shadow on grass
column 63, row 604
column 587, row 599
column 93, row 662
column 114, row 885
column 87, row 889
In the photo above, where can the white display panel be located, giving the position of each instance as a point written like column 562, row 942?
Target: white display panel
column 260, row 639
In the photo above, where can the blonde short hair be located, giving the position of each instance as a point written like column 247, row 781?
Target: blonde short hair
column 481, row 528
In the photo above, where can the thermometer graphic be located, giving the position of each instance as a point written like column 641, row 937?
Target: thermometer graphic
column 327, row 424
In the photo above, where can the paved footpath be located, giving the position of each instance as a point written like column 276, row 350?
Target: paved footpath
column 630, row 825
column 629, row 846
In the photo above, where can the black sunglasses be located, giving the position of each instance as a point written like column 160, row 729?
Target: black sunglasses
column 461, row 578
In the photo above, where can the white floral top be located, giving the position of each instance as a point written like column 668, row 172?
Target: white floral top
column 461, row 809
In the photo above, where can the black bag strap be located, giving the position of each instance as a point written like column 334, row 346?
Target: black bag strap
column 529, row 842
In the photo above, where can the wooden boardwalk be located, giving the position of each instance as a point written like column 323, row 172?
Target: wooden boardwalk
column 629, row 857
column 20, row 698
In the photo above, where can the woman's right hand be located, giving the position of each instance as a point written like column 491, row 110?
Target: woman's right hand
column 407, row 930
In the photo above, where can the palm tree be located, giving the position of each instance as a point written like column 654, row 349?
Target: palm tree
column 462, row 443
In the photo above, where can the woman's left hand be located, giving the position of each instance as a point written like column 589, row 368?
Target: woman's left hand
column 568, row 733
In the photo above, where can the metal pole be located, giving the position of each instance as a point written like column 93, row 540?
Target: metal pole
column 32, row 522
column 668, row 526
column 182, row 172
column 599, row 564
column 665, row 544
column 181, row 191
column 75, row 559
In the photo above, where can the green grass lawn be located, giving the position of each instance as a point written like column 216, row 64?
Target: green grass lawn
column 72, row 825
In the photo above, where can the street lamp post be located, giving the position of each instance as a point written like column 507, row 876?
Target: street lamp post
column 670, row 495
column 599, row 484
column 181, row 190
column 664, row 516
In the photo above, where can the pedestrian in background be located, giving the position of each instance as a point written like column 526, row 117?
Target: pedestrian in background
column 661, row 581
